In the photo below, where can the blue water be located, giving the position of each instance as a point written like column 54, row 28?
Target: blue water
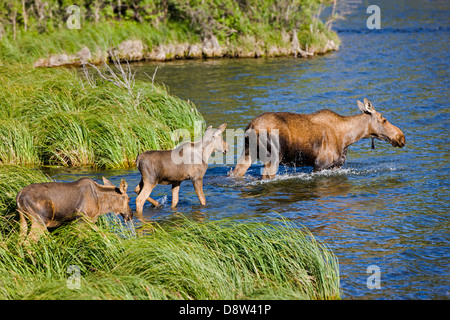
column 387, row 207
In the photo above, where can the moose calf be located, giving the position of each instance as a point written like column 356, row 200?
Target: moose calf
column 189, row 160
column 52, row 203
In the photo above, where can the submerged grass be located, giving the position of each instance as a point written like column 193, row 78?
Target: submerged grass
column 53, row 116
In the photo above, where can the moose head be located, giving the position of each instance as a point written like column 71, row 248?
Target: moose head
column 379, row 127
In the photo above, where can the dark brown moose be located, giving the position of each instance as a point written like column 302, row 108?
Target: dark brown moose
column 50, row 204
column 319, row 139
column 189, row 160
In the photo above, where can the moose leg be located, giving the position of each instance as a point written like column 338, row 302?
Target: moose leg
column 144, row 195
column 139, row 187
column 37, row 229
column 23, row 225
column 153, row 201
column 270, row 170
column 249, row 154
column 245, row 161
column 325, row 161
column 175, row 189
column 138, row 191
column 198, row 186
column 243, row 164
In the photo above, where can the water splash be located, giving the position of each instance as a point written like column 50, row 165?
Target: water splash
column 163, row 200
column 285, row 174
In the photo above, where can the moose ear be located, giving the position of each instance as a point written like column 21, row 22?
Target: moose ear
column 366, row 107
column 123, row 186
column 222, row 127
column 369, row 106
column 220, row 130
column 106, row 182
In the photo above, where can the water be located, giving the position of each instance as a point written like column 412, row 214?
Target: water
column 386, row 207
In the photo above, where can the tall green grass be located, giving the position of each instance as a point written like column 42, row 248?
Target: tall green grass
column 186, row 260
column 56, row 117
column 231, row 260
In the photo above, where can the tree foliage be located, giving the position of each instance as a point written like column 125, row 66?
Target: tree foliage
column 223, row 17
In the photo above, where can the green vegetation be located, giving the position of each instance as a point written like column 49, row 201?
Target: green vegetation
column 53, row 116
column 29, row 31
column 181, row 260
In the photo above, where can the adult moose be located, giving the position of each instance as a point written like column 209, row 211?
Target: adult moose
column 320, row 139
column 189, row 160
column 50, row 204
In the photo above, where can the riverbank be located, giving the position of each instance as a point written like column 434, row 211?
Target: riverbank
column 172, row 30
column 281, row 44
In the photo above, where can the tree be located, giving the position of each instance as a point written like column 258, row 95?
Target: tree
column 9, row 14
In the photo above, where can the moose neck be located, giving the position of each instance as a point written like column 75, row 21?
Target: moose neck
column 105, row 202
column 203, row 148
column 355, row 128
column 208, row 148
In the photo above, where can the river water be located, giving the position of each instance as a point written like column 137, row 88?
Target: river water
column 386, row 210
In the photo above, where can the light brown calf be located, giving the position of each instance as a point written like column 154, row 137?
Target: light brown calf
column 50, row 204
column 189, row 160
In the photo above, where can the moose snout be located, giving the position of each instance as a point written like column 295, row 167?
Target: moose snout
column 226, row 147
column 128, row 215
column 399, row 141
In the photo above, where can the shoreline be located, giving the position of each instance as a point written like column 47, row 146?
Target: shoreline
column 137, row 51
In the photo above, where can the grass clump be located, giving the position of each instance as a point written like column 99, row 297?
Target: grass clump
column 230, row 260
column 16, row 143
column 55, row 117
